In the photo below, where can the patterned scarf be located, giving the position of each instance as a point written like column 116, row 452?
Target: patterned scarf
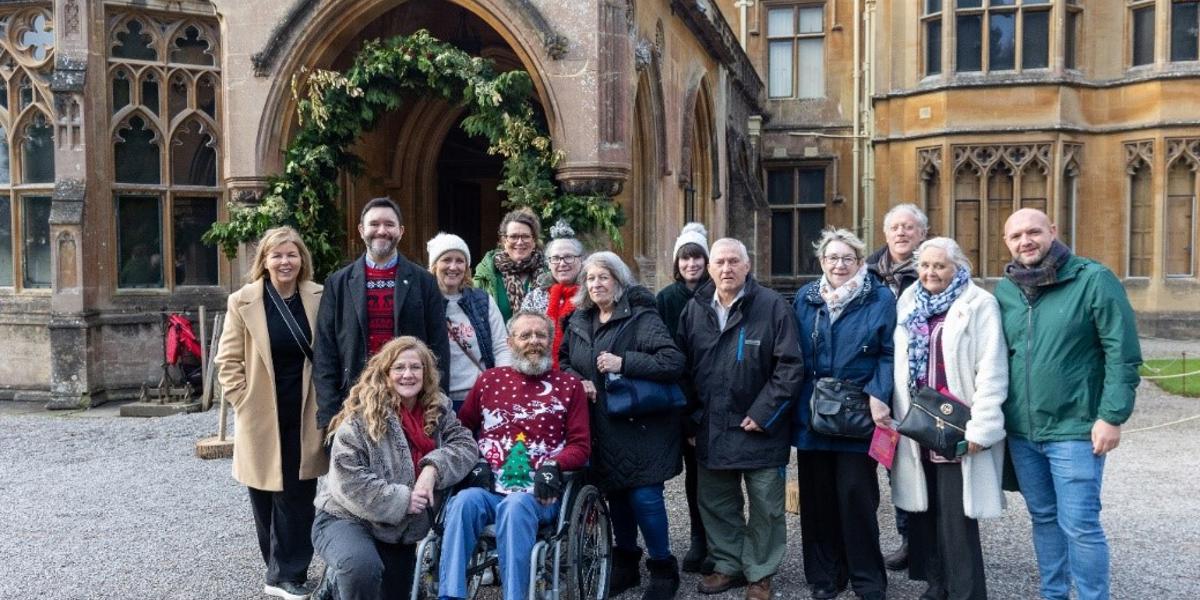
column 518, row 274
column 1045, row 273
column 891, row 272
column 836, row 299
column 917, row 323
column 558, row 308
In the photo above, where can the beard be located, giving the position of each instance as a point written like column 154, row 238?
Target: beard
column 381, row 247
column 532, row 363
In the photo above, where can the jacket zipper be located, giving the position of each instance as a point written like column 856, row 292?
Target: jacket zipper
column 1028, row 366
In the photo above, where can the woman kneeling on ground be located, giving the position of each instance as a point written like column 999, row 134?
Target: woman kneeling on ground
column 395, row 446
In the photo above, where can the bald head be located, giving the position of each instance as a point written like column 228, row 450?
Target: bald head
column 1028, row 233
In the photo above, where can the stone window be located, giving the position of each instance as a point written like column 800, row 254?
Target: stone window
column 990, row 182
column 1141, row 32
column 796, row 51
column 163, row 87
column 26, row 146
column 931, row 27
column 1183, row 163
column 1068, row 195
column 930, row 160
column 1185, row 30
column 1072, row 34
column 1138, row 159
column 1017, row 35
column 797, row 197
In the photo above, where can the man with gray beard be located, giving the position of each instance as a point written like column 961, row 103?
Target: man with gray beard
column 531, row 424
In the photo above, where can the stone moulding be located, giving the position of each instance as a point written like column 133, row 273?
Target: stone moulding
column 263, row 62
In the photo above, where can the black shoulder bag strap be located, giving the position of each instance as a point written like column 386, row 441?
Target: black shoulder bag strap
column 290, row 320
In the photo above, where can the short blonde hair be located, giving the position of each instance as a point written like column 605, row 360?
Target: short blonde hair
column 272, row 238
column 845, row 236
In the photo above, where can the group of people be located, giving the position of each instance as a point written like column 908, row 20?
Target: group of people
column 361, row 405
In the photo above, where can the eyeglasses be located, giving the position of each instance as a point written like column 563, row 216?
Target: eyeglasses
column 520, row 237
column 833, row 261
column 565, row 259
column 525, row 336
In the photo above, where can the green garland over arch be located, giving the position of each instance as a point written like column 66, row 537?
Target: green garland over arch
column 336, row 108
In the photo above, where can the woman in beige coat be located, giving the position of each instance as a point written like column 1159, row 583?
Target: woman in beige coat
column 265, row 369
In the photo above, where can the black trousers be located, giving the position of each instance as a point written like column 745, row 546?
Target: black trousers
column 839, row 496
column 284, row 524
column 689, row 486
column 943, row 543
column 363, row 567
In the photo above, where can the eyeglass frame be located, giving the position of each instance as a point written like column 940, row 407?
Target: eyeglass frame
column 834, row 261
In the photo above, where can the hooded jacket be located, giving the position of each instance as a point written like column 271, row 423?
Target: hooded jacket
column 1073, row 354
column 627, row 452
column 751, row 368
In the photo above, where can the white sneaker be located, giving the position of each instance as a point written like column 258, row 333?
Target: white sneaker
column 286, row 590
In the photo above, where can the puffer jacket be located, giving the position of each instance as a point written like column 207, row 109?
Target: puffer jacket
column 857, row 348
column 627, row 452
column 751, row 368
column 371, row 482
column 1073, row 354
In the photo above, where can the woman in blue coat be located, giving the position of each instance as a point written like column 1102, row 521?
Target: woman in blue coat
column 846, row 322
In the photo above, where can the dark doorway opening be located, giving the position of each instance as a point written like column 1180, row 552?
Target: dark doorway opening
column 469, row 204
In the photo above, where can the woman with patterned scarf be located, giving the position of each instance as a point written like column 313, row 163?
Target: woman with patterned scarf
column 948, row 337
column 509, row 272
column 565, row 255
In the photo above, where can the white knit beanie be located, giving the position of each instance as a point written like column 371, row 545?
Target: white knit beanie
column 693, row 233
column 443, row 243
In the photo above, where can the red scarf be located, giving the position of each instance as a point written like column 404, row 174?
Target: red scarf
column 558, row 308
column 412, row 421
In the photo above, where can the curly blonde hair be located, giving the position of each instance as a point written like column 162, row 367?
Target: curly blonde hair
column 374, row 397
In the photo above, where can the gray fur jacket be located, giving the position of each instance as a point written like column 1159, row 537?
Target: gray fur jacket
column 371, row 482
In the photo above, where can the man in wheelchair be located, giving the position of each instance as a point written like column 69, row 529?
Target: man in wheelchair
column 531, row 424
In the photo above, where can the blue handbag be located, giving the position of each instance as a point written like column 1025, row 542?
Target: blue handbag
column 632, row 397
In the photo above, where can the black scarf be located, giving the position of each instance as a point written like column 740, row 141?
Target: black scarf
column 1031, row 280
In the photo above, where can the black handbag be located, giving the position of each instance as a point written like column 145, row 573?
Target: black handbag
column 937, row 422
column 841, row 409
column 634, row 397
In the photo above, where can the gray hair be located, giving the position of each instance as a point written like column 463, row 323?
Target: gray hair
column 614, row 265
column 576, row 245
column 845, row 236
column 952, row 249
column 737, row 245
column 913, row 211
column 524, row 312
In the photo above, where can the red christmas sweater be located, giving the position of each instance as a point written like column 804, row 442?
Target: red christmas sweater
column 521, row 420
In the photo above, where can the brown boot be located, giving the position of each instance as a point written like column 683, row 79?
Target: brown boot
column 716, row 582
column 759, row 590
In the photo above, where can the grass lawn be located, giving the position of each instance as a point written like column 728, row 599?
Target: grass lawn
column 1158, row 367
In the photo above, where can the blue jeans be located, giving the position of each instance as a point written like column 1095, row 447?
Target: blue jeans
column 644, row 508
column 1061, row 485
column 517, row 517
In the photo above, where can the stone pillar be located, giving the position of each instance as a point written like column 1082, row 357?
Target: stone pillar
column 70, row 336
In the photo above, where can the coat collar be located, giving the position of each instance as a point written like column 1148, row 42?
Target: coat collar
column 253, row 312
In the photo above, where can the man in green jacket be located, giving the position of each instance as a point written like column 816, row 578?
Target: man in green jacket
column 1073, row 371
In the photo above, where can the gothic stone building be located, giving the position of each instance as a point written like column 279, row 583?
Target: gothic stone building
column 127, row 127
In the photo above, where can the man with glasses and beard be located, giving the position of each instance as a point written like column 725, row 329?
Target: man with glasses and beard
column 531, row 424
column 379, row 296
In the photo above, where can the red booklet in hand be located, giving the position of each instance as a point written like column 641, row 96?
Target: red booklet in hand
column 883, row 446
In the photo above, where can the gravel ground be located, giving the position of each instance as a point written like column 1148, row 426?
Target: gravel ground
column 94, row 506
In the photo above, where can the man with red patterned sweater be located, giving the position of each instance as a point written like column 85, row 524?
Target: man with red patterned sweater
column 380, row 296
column 531, row 423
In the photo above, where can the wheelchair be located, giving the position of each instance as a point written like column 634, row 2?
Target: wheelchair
column 571, row 559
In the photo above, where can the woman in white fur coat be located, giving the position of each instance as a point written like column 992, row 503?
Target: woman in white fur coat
column 949, row 337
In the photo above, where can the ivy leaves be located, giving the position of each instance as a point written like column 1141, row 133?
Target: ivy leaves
column 336, row 108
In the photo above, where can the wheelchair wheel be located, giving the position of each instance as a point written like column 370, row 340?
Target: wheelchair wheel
column 425, row 584
column 589, row 548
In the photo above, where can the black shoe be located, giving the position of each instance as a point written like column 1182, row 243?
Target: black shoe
column 934, row 592
column 664, row 579
column 824, row 592
column 626, row 570
column 693, row 561
column 286, row 590
column 898, row 560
